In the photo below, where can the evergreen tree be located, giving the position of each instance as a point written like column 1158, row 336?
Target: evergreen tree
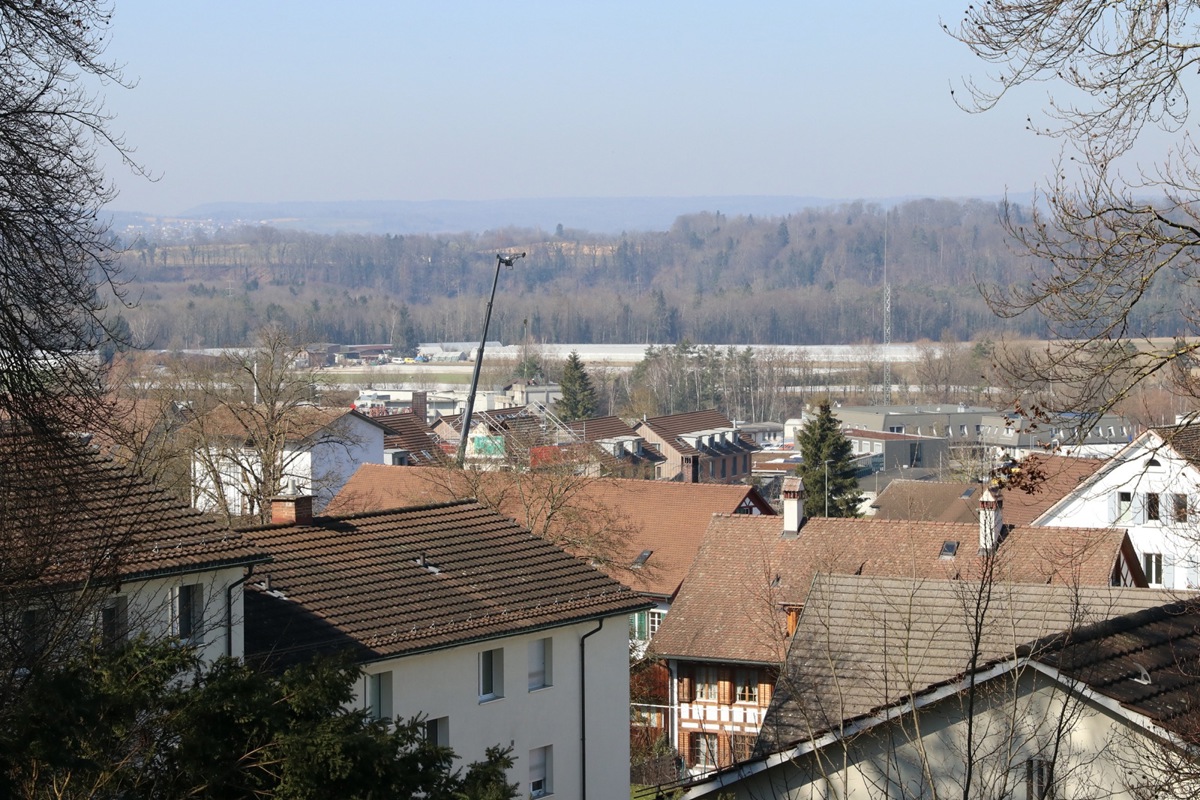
column 821, row 441
column 578, row 395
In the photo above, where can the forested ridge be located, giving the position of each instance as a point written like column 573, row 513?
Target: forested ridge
column 813, row 277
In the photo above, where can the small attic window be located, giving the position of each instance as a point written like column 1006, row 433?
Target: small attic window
column 776, row 580
column 642, row 558
column 1153, row 462
column 967, row 494
column 949, row 549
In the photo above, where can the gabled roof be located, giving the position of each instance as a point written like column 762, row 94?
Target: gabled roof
column 1184, row 439
column 1148, row 662
column 668, row 518
column 951, row 501
column 409, row 432
column 601, row 428
column 749, row 570
column 300, row 423
column 69, row 515
column 673, row 427
column 397, row 582
column 867, row 643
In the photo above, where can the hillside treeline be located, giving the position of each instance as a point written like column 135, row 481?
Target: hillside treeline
column 814, row 277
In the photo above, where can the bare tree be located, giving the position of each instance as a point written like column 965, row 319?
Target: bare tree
column 1114, row 240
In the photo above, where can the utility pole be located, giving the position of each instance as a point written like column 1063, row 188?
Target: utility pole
column 507, row 261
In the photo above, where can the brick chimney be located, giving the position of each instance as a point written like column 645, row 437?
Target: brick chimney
column 991, row 521
column 793, row 505
column 292, row 509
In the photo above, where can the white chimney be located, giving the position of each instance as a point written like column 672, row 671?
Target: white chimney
column 793, row 505
column 991, row 521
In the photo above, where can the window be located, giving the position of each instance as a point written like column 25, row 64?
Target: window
column 1039, row 779
column 702, row 750
column 114, row 621
column 706, row 684
column 655, row 618
column 723, row 467
column 1152, row 511
column 742, row 745
column 747, row 685
column 745, row 463
column 379, row 695
column 437, row 731
column 491, row 674
column 1124, row 503
column 639, row 626
column 188, row 611
column 35, row 634
column 1179, row 507
column 1153, row 567
column 540, row 663
column 541, row 771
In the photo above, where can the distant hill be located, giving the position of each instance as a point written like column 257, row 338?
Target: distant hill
column 605, row 215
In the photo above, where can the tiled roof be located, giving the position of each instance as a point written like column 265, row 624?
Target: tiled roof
column 864, row 643
column 396, row 582
column 674, row 426
column 749, row 571
column 300, row 422
column 71, row 515
column 601, row 428
column 1110, row 657
column 409, row 432
column 1185, row 439
column 667, row 518
column 1057, row 476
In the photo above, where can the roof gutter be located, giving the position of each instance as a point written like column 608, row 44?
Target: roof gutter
column 583, row 711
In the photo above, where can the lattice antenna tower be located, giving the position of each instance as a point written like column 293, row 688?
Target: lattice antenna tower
column 887, row 318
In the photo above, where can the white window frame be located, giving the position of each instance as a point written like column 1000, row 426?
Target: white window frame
column 491, row 674
column 745, row 686
column 113, row 622
column 705, row 755
column 187, row 612
column 1152, row 565
column 706, row 684
column 379, row 695
column 541, row 664
column 437, row 731
column 541, row 771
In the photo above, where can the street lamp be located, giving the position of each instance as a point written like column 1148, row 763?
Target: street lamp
column 487, row 318
column 827, row 486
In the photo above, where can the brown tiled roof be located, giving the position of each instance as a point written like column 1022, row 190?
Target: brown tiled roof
column 670, row 428
column 409, row 432
column 749, row 571
column 1110, row 657
column 667, row 518
column 1184, row 439
column 70, row 515
column 301, row 422
column 396, row 582
column 601, row 428
column 1057, row 476
column 864, row 643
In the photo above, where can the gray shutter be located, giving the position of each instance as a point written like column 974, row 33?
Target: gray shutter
column 1168, row 570
column 1113, row 507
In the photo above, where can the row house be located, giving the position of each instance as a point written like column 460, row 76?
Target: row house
column 699, row 447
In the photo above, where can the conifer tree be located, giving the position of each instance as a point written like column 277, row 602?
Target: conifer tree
column 821, row 441
column 578, row 395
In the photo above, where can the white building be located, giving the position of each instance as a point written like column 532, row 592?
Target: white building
column 322, row 448
column 459, row 615
column 1150, row 488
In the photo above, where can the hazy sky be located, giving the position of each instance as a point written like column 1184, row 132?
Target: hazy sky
column 261, row 101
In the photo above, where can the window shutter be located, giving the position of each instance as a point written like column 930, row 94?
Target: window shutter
column 1139, row 510
column 1113, row 507
column 724, row 754
column 687, row 685
column 765, row 687
column 724, row 688
column 1168, row 570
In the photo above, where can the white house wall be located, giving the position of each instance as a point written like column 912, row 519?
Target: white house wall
column 1095, row 505
column 151, row 603
column 445, row 684
column 889, row 761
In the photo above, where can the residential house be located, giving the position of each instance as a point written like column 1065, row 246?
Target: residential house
column 731, row 622
column 460, row 615
column 1152, row 489
column 321, row 448
column 617, row 449
column 1014, row 435
column 641, row 533
column 877, row 451
column 88, row 540
column 408, row 441
column 698, row 447
column 896, row 687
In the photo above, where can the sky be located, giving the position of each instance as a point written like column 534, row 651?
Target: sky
column 372, row 100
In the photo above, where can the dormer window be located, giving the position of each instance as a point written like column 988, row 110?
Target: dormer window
column 641, row 560
column 949, row 549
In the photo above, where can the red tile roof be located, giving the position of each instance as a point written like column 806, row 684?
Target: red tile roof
column 667, row 518
column 402, row 581
column 601, row 428
column 70, row 515
column 746, row 571
column 409, row 432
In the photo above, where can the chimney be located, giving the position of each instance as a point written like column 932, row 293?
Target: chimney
column 292, row 509
column 793, row 505
column 420, row 406
column 991, row 521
